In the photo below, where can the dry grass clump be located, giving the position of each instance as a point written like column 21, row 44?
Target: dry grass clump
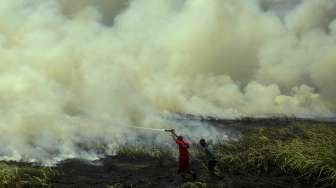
column 142, row 151
column 22, row 176
column 305, row 152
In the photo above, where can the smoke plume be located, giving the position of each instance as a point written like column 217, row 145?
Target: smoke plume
column 77, row 73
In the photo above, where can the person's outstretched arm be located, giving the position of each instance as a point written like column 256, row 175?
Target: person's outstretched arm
column 173, row 134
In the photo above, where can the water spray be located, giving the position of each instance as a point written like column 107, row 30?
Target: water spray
column 151, row 129
column 145, row 128
column 106, row 117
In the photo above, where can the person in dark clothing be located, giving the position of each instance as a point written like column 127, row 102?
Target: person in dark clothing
column 209, row 155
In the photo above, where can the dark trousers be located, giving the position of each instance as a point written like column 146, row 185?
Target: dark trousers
column 211, row 166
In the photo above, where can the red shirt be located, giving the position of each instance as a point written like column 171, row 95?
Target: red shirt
column 183, row 148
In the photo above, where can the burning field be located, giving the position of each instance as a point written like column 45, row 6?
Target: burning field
column 88, row 87
column 284, row 153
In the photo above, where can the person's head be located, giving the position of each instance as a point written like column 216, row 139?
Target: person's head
column 203, row 142
column 180, row 138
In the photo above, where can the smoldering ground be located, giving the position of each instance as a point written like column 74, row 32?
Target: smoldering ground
column 65, row 64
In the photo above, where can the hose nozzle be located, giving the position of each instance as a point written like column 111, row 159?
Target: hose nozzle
column 169, row 130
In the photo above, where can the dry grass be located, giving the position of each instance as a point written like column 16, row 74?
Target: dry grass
column 305, row 152
column 18, row 176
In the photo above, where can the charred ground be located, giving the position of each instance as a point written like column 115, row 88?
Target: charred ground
column 270, row 152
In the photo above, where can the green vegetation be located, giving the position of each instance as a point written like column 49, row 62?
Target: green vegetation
column 305, row 152
column 132, row 151
column 24, row 176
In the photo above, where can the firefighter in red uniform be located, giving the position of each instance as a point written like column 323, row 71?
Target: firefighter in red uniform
column 183, row 155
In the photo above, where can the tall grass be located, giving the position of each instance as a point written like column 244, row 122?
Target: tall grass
column 15, row 176
column 305, row 152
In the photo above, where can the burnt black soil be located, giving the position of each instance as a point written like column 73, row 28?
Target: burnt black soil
column 147, row 172
column 117, row 171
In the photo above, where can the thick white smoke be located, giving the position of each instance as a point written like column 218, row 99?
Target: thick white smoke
column 77, row 73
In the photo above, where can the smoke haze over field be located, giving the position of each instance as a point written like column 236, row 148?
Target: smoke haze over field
column 79, row 71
